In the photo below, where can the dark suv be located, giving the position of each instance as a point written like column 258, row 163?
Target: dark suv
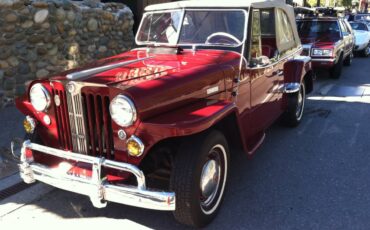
column 329, row 41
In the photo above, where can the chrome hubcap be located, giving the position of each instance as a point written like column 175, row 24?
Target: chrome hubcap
column 213, row 179
column 300, row 104
column 210, row 180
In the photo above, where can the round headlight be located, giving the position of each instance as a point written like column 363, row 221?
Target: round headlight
column 40, row 97
column 122, row 110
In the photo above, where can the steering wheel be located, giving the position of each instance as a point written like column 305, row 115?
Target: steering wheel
column 221, row 36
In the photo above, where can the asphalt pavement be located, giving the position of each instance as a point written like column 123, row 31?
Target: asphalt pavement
column 315, row 176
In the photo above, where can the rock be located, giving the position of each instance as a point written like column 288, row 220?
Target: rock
column 4, row 53
column 91, row 48
column 9, row 84
column 11, row 17
column 72, row 33
column 9, row 28
column 40, row 4
column 4, row 65
column 35, row 38
column 8, row 3
column 71, row 16
column 103, row 41
column 60, row 14
column 112, row 44
column 41, row 16
column 32, row 56
column 102, row 49
column 10, row 72
column 45, row 25
column 27, row 24
column 23, row 68
column 41, row 64
column 41, row 50
column 67, row 5
column 1, row 75
column 42, row 73
column 53, row 51
column 92, row 24
column 13, row 61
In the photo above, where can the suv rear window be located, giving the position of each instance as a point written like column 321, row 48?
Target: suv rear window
column 317, row 28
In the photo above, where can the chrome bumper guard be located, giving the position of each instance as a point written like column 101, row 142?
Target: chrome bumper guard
column 96, row 187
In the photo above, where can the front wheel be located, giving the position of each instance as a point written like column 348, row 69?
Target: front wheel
column 294, row 112
column 199, row 178
column 336, row 70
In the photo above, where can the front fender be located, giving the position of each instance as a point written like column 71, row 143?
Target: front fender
column 188, row 120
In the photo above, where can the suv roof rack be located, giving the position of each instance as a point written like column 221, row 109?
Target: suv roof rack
column 303, row 12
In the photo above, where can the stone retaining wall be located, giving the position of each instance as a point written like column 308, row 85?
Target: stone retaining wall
column 42, row 37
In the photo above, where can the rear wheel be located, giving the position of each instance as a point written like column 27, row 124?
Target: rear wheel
column 199, row 178
column 366, row 51
column 348, row 60
column 336, row 70
column 294, row 112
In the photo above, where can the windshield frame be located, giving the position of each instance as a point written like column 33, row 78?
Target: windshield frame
column 141, row 43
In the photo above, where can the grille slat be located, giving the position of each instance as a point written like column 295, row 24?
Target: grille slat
column 61, row 118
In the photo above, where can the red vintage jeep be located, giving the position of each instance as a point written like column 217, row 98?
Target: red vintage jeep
column 153, row 127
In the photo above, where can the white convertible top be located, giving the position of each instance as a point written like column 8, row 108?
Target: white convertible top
column 217, row 4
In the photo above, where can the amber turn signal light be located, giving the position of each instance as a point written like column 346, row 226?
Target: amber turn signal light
column 29, row 124
column 135, row 146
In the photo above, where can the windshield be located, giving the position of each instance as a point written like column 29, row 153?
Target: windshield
column 317, row 29
column 193, row 27
column 358, row 26
column 362, row 17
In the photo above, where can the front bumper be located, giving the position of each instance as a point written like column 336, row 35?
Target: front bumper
column 359, row 47
column 96, row 187
column 323, row 62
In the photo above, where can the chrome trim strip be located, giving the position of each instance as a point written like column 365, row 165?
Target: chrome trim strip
column 291, row 87
column 88, row 72
column 97, row 188
column 323, row 59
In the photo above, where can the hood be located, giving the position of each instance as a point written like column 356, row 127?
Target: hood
column 325, row 40
column 361, row 37
column 161, row 82
column 137, row 66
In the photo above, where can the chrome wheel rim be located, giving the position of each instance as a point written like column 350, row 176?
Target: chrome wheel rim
column 213, row 179
column 210, row 180
column 300, row 104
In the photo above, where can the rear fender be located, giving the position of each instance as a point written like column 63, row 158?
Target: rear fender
column 294, row 72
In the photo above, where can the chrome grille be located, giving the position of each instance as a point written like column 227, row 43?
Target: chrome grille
column 76, row 117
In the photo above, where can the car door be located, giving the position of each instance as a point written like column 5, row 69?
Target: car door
column 263, row 70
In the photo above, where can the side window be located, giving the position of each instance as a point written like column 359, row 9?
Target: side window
column 263, row 49
column 284, row 32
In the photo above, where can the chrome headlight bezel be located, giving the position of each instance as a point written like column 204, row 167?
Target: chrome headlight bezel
column 122, row 100
column 322, row 52
column 44, row 96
